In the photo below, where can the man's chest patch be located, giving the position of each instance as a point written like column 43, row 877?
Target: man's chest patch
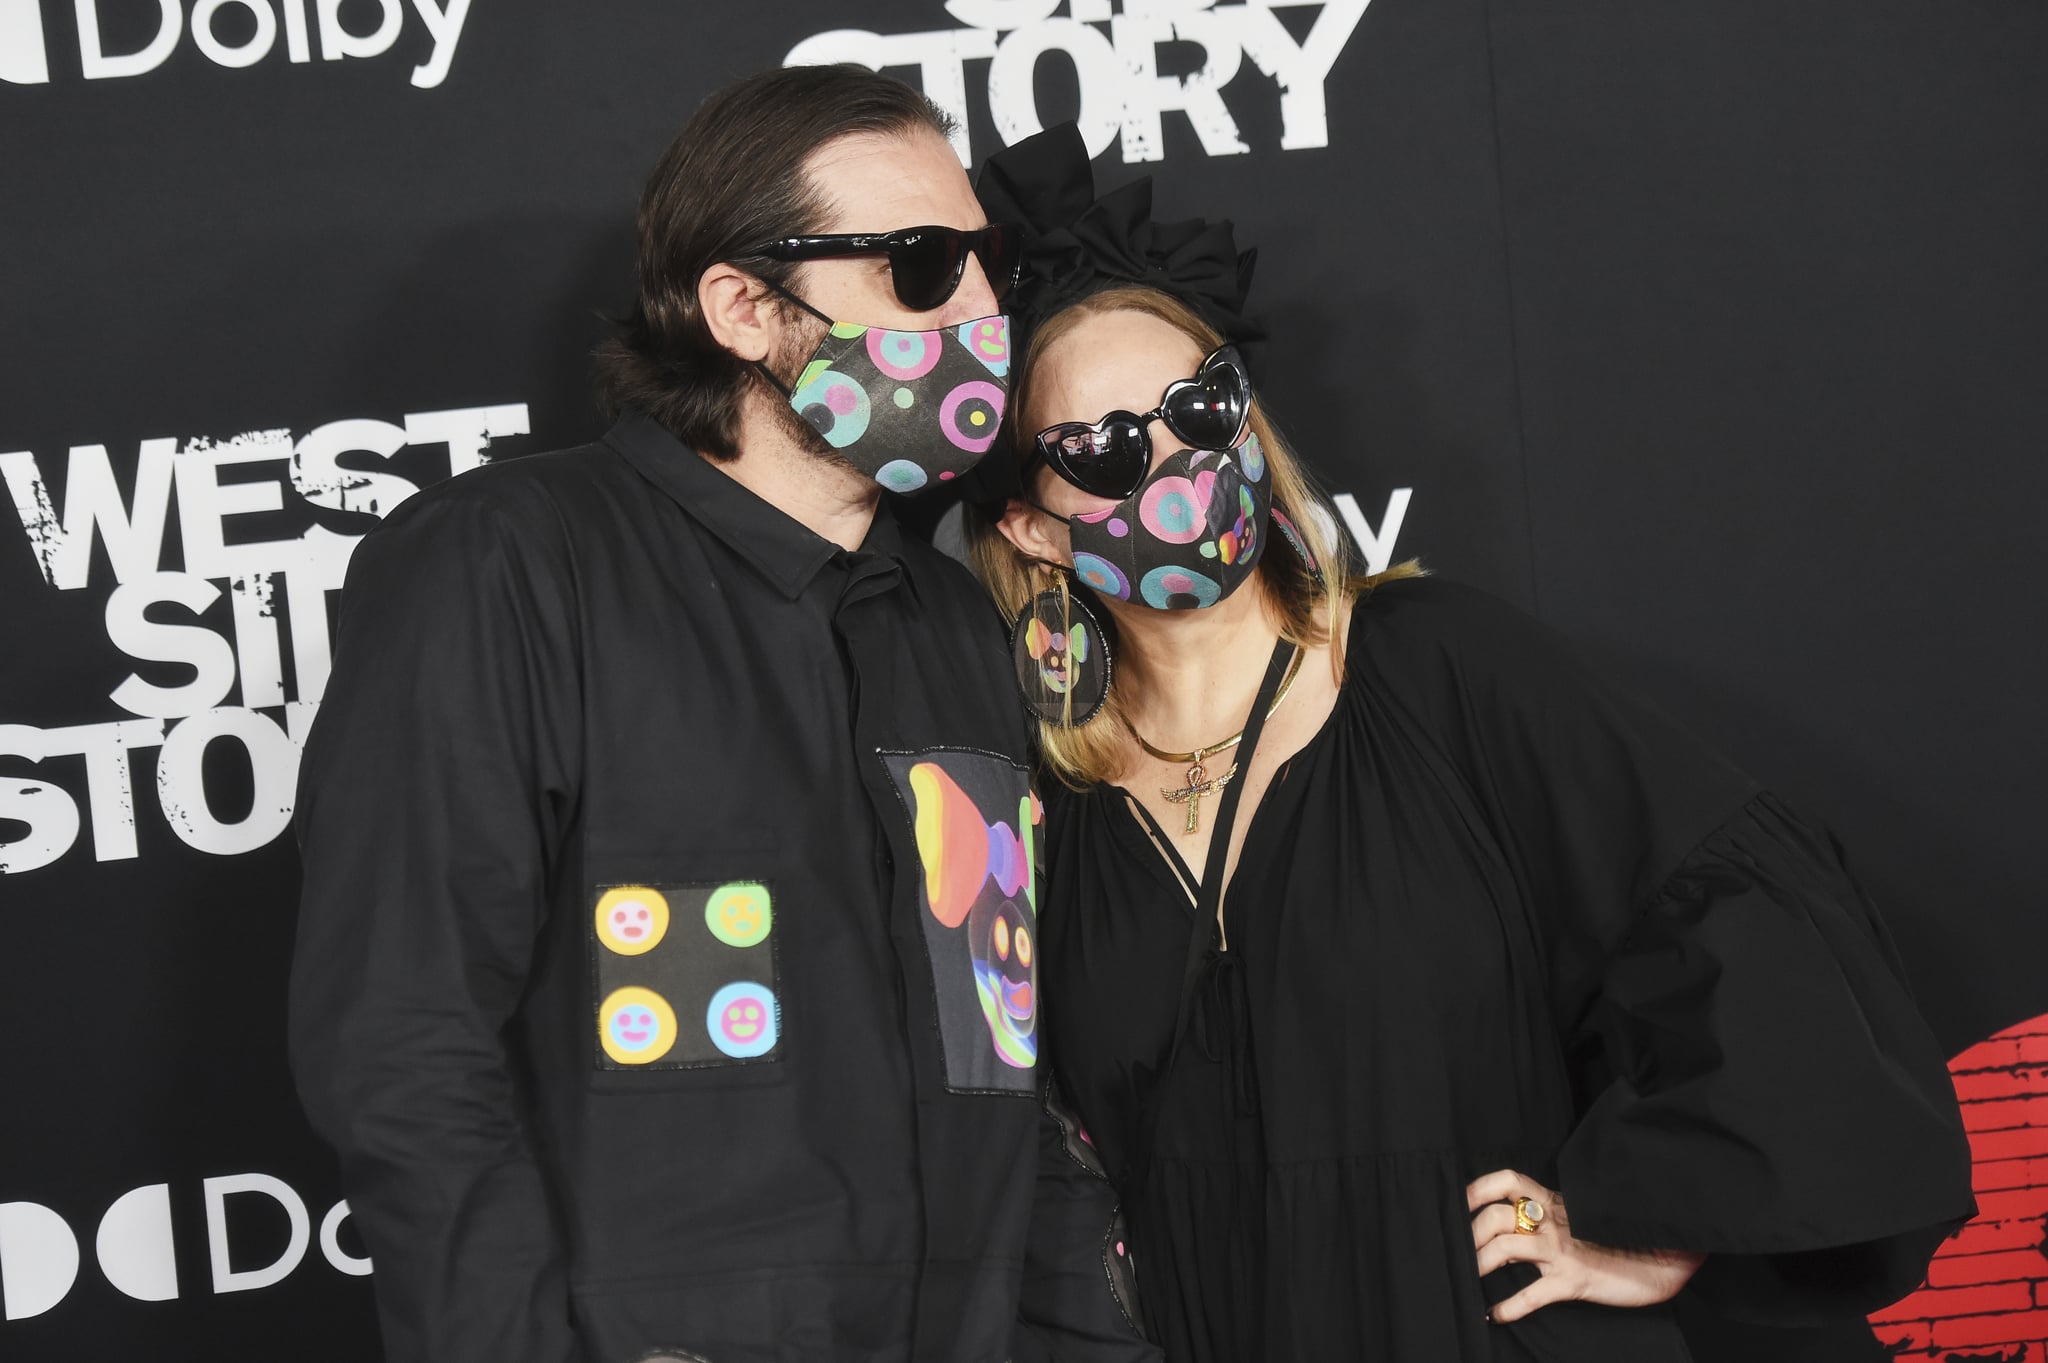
column 685, row 975
column 976, row 823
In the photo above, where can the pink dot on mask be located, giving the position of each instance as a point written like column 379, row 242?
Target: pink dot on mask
column 1118, row 527
column 842, row 400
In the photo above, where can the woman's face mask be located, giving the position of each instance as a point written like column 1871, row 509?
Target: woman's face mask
column 1187, row 538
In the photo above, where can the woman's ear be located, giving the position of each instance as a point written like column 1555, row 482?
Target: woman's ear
column 1025, row 528
column 738, row 317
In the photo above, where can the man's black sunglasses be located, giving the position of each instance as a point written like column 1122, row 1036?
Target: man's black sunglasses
column 1111, row 458
column 925, row 263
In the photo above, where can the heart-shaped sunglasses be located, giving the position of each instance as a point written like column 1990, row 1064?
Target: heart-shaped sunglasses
column 1111, row 457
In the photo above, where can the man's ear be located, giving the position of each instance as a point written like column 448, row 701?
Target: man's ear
column 737, row 311
column 1025, row 527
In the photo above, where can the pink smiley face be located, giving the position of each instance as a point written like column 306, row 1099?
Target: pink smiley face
column 742, row 1022
column 632, row 919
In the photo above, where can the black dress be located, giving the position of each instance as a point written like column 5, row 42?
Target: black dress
column 1495, row 914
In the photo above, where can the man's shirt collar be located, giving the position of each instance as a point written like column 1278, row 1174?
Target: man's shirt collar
column 782, row 549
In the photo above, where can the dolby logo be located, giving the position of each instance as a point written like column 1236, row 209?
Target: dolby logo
column 136, row 1248
column 141, row 35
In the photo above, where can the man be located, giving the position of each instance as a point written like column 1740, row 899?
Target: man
column 665, row 974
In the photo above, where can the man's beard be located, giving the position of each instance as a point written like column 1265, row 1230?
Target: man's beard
column 787, row 364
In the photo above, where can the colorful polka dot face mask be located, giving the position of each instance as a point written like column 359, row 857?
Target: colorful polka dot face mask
column 1188, row 537
column 910, row 409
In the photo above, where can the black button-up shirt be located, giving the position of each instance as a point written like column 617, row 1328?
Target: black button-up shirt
column 665, row 974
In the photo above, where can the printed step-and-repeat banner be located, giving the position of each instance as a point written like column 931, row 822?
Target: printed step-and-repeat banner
column 1710, row 332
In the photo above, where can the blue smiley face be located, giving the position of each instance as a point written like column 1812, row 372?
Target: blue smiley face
column 742, row 1020
column 634, row 1028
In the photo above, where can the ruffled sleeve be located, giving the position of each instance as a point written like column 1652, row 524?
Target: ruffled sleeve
column 1755, row 1080
column 1768, row 1092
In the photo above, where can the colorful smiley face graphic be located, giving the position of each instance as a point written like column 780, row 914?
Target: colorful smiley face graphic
column 635, row 1025
column 1000, row 943
column 1057, row 653
column 632, row 919
column 1012, row 942
column 739, row 914
column 743, row 1020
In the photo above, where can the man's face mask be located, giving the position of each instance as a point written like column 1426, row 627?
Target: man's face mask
column 910, row 409
column 1189, row 536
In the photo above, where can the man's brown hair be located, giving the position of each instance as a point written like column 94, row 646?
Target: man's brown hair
column 732, row 180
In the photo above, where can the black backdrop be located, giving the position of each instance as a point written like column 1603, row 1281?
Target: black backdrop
column 1711, row 332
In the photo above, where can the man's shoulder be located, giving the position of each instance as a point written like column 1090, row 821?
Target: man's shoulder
column 526, row 484
column 532, row 499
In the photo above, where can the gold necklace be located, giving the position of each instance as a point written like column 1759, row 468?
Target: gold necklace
column 1199, row 782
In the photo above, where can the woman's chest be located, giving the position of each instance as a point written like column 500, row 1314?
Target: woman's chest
column 1374, row 919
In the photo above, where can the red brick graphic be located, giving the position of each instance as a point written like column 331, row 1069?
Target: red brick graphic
column 1986, row 1296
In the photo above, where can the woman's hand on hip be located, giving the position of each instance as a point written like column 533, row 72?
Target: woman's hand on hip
column 1572, row 1269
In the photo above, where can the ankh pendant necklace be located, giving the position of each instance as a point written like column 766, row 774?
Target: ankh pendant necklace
column 1199, row 782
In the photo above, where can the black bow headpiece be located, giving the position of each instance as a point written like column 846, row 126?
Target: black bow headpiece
column 1076, row 244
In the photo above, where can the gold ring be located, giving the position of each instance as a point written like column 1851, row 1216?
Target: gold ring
column 1529, row 1216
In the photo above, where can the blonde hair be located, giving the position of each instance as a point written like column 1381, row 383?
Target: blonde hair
column 1306, row 602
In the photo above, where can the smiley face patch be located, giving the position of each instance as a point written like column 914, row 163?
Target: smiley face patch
column 742, row 1020
column 632, row 919
column 636, row 1025
column 739, row 915
column 684, row 976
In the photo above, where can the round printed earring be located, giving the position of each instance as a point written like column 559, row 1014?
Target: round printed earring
column 1297, row 543
column 1061, row 656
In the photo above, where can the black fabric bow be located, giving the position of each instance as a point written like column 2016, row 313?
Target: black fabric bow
column 1077, row 243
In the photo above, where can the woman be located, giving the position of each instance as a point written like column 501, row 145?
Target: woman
column 1463, row 1008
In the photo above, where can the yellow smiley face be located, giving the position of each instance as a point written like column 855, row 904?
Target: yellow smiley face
column 635, row 1025
column 739, row 914
column 632, row 919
